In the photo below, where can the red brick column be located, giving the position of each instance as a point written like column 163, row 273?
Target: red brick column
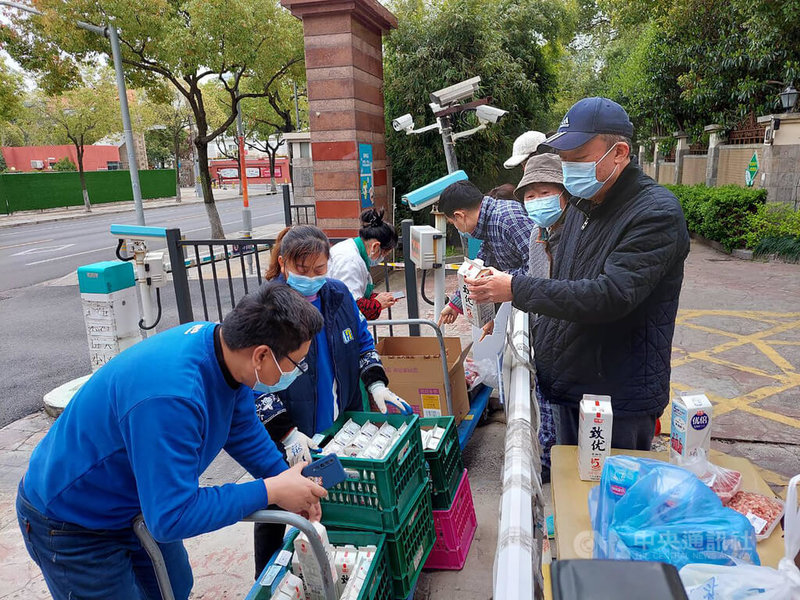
column 344, row 67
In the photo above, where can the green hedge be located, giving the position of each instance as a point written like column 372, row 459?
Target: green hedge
column 30, row 191
column 775, row 229
column 722, row 214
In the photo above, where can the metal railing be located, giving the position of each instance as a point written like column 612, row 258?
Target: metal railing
column 291, row 212
column 518, row 557
column 261, row 516
column 224, row 271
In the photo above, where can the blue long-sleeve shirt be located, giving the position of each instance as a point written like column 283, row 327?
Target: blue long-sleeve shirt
column 138, row 435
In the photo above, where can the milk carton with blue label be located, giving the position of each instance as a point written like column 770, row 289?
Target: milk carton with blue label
column 691, row 425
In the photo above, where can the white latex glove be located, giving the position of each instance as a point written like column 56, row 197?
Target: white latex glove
column 298, row 447
column 383, row 396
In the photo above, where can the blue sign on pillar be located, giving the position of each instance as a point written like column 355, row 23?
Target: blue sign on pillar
column 366, row 192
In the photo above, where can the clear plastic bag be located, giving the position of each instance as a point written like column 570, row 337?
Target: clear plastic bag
column 481, row 371
column 747, row 582
column 725, row 483
column 646, row 509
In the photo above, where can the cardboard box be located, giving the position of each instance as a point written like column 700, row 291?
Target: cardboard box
column 595, row 424
column 691, row 425
column 478, row 313
column 414, row 368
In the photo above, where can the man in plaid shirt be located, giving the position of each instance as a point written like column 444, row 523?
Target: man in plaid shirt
column 503, row 226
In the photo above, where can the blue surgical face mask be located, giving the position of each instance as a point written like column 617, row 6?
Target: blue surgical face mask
column 284, row 382
column 307, row 286
column 544, row 211
column 580, row 178
column 374, row 262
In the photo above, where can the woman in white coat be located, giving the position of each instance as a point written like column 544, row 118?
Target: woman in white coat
column 352, row 259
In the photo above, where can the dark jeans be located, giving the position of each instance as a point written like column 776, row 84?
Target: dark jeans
column 629, row 433
column 267, row 540
column 87, row 564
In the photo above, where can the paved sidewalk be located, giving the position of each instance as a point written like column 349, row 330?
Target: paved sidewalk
column 49, row 215
column 737, row 337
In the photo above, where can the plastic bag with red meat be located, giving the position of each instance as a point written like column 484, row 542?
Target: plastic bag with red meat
column 725, row 483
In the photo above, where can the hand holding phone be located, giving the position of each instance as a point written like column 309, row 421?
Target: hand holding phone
column 326, row 471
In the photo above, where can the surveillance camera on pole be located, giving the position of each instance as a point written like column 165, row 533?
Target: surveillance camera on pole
column 445, row 103
column 457, row 92
column 489, row 114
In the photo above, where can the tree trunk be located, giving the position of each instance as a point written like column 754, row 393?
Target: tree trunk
column 86, row 202
column 273, row 189
column 176, row 145
column 217, row 232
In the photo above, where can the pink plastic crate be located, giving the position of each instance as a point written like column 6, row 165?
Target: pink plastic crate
column 455, row 529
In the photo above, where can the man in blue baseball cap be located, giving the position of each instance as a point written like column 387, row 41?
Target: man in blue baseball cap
column 607, row 316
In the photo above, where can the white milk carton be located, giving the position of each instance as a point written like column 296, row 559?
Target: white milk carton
column 594, row 435
column 478, row 313
column 691, row 425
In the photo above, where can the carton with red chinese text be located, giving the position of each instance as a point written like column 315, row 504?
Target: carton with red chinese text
column 477, row 313
column 595, row 419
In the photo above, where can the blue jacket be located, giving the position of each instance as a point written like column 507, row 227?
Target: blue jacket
column 354, row 358
column 141, row 430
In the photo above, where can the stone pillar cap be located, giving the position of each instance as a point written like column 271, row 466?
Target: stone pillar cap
column 787, row 117
column 714, row 127
column 680, row 134
column 371, row 12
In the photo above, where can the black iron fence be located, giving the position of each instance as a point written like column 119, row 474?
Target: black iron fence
column 294, row 214
column 210, row 276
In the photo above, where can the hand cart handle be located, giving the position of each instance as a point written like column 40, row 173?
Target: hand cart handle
column 442, row 350
column 260, row 516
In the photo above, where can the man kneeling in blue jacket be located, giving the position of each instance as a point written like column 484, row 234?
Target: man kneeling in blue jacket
column 139, row 433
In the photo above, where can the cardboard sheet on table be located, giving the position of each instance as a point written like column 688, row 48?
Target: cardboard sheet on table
column 573, row 527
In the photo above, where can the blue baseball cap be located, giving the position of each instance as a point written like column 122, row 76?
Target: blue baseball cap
column 587, row 118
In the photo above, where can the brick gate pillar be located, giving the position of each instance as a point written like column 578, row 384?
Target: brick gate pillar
column 344, row 69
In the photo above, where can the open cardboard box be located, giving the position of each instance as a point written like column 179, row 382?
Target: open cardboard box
column 414, row 368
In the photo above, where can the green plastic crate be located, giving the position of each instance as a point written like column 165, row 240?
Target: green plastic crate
column 378, row 586
column 377, row 492
column 445, row 465
column 410, row 544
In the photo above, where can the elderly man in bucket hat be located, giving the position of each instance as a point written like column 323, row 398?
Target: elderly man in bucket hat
column 607, row 316
column 541, row 190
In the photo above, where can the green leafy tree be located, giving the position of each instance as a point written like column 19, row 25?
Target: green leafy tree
column 3, row 164
column 513, row 45
column 65, row 164
column 83, row 116
column 185, row 43
column 10, row 93
column 169, row 135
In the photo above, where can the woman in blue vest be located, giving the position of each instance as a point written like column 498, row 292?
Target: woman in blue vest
column 342, row 355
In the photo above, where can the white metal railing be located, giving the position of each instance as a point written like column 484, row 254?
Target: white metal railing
column 518, row 558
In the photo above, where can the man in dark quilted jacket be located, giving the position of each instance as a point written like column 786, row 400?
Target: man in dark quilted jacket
column 608, row 313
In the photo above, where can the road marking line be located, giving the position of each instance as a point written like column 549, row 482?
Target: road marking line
column 46, row 260
column 24, row 244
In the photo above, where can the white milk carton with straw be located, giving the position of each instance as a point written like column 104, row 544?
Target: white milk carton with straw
column 478, row 313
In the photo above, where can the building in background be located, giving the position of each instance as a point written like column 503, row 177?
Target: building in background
column 100, row 157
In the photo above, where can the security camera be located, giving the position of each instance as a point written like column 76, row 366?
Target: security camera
column 429, row 194
column 404, row 122
column 489, row 114
column 456, row 92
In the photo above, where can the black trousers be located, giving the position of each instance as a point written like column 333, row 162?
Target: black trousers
column 267, row 540
column 629, row 433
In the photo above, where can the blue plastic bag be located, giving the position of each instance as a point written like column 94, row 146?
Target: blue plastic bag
column 646, row 509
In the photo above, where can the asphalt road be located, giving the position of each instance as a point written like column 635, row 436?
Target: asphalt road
column 42, row 336
column 31, row 254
